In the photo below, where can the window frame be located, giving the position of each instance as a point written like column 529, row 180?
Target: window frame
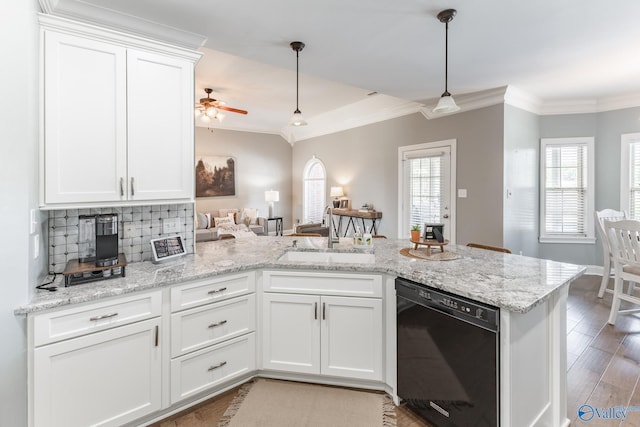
column 626, row 139
column 589, row 237
column 307, row 167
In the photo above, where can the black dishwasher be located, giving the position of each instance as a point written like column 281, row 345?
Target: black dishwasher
column 448, row 356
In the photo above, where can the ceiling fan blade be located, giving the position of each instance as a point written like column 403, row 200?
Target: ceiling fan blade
column 233, row 110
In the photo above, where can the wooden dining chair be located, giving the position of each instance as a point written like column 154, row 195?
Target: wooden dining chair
column 624, row 240
column 607, row 265
column 489, row 248
column 306, row 234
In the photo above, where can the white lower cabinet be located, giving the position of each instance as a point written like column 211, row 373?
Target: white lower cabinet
column 106, row 378
column 204, row 369
column 339, row 336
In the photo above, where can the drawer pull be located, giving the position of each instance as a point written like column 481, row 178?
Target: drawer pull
column 217, row 291
column 213, row 325
column 103, row 316
column 213, row 368
column 324, row 311
column 315, row 311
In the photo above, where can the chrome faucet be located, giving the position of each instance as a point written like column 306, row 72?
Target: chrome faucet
column 331, row 240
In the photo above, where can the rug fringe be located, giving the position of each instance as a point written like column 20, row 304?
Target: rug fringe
column 235, row 404
column 389, row 416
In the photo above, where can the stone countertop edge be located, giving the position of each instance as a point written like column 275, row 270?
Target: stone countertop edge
column 512, row 282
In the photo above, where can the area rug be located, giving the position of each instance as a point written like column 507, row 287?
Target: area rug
column 273, row 403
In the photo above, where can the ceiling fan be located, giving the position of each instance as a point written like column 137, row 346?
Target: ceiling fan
column 209, row 108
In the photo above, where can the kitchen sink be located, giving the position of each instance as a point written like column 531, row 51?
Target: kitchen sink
column 335, row 257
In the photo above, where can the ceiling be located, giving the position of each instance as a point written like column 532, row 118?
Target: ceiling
column 569, row 56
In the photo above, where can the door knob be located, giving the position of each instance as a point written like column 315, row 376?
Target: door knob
column 445, row 216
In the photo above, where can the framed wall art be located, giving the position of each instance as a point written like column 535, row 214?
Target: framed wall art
column 215, row 176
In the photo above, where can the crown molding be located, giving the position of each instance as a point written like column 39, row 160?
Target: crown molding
column 102, row 16
column 373, row 109
column 581, row 106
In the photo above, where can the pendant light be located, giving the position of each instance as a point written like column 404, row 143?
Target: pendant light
column 446, row 104
column 297, row 119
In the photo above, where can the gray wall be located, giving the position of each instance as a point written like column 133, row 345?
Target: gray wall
column 365, row 161
column 606, row 128
column 521, row 181
column 263, row 162
column 19, row 192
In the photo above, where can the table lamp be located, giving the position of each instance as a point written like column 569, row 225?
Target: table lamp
column 337, row 193
column 271, row 196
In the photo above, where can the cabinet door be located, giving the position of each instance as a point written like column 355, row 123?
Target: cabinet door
column 351, row 332
column 291, row 333
column 160, row 127
column 102, row 379
column 84, row 120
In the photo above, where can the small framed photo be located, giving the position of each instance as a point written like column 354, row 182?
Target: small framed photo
column 344, row 204
column 166, row 248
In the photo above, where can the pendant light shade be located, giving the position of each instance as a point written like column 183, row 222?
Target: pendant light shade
column 297, row 119
column 446, row 104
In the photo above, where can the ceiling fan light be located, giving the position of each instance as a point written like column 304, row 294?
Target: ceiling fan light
column 446, row 104
column 211, row 112
column 297, row 119
column 220, row 116
column 205, row 118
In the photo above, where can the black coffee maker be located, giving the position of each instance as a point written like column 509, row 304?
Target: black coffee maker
column 106, row 240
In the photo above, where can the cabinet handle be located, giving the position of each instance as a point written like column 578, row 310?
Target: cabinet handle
column 324, row 311
column 157, row 334
column 213, row 368
column 213, row 325
column 121, row 187
column 103, row 316
column 315, row 311
column 217, row 291
column 132, row 192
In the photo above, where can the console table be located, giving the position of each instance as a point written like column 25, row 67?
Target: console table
column 353, row 216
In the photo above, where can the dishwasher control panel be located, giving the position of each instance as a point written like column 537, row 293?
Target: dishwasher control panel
column 457, row 306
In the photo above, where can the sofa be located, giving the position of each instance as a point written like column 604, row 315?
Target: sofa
column 229, row 221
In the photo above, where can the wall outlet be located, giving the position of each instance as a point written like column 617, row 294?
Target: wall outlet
column 130, row 230
column 170, row 225
column 462, row 193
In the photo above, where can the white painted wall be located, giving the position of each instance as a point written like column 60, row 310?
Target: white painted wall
column 18, row 194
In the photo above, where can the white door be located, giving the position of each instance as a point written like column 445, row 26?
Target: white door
column 84, row 120
column 351, row 334
column 291, row 333
column 427, row 187
column 160, row 127
column 104, row 379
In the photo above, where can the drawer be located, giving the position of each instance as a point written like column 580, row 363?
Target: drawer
column 203, row 292
column 323, row 283
column 87, row 318
column 204, row 369
column 203, row 326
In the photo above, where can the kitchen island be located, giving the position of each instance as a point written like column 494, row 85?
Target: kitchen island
column 530, row 293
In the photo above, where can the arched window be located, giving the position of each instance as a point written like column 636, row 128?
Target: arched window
column 313, row 191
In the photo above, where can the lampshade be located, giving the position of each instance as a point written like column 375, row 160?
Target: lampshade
column 297, row 119
column 272, row 196
column 446, row 104
column 336, row 192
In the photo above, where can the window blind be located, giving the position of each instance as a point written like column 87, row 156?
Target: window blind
column 634, row 184
column 314, row 193
column 425, row 189
column 566, row 190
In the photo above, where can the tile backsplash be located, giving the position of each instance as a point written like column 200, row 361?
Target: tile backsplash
column 63, row 231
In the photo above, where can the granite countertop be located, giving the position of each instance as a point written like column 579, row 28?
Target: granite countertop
column 512, row 282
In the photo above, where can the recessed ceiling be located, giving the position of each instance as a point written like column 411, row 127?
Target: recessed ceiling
column 580, row 51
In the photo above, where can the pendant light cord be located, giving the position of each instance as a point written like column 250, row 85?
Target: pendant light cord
column 446, row 58
column 297, row 77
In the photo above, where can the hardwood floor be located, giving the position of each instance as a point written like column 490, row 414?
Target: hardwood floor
column 603, row 361
column 603, row 366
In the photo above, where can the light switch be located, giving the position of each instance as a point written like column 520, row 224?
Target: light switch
column 36, row 246
column 33, row 221
column 462, row 193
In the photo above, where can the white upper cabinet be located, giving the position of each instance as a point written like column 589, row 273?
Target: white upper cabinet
column 117, row 125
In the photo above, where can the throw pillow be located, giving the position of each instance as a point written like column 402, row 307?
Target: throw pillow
column 203, row 222
column 227, row 212
column 218, row 221
column 251, row 213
